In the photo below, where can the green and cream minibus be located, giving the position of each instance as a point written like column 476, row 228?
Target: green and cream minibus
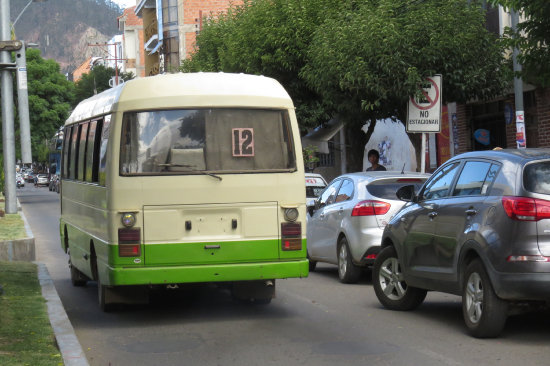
column 184, row 178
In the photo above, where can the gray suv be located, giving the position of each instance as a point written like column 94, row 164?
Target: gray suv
column 479, row 228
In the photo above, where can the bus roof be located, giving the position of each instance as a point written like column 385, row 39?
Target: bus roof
column 186, row 90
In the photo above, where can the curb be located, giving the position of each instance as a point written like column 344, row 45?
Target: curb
column 19, row 249
column 68, row 343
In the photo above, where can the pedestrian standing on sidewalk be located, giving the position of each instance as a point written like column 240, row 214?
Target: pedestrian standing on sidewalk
column 374, row 157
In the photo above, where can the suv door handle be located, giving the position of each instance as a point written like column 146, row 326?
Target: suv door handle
column 432, row 214
column 471, row 212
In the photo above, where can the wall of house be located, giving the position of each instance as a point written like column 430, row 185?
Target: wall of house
column 192, row 21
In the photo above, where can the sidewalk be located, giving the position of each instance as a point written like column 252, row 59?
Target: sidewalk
column 67, row 342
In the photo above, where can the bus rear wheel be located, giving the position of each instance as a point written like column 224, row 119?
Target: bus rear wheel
column 78, row 278
column 254, row 292
column 103, row 297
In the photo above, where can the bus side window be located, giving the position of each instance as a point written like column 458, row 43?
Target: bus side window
column 66, row 152
column 90, row 149
column 82, row 151
column 74, row 152
column 102, row 151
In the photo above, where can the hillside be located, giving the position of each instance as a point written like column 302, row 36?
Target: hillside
column 64, row 28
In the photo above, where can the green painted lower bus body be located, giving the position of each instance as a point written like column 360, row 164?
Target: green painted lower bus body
column 172, row 263
column 205, row 273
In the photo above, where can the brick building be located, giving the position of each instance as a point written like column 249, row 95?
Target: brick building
column 496, row 118
column 170, row 28
column 133, row 56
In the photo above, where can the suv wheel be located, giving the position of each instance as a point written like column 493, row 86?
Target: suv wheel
column 347, row 271
column 484, row 313
column 390, row 286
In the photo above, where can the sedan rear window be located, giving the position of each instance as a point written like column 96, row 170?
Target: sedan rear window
column 535, row 177
column 388, row 190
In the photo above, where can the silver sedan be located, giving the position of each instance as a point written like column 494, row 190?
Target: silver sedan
column 348, row 218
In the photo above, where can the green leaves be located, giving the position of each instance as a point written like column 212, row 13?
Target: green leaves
column 358, row 59
column 532, row 38
column 50, row 98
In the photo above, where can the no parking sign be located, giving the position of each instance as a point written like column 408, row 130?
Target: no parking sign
column 424, row 113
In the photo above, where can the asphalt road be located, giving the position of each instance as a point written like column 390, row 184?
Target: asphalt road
column 313, row 321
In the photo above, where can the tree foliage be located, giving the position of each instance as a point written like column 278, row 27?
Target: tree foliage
column 532, row 38
column 96, row 81
column 50, row 98
column 356, row 59
column 268, row 38
column 376, row 58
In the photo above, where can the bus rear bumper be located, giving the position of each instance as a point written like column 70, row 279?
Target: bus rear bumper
column 206, row 273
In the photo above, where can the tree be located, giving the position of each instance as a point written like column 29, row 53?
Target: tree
column 370, row 60
column 50, row 98
column 359, row 60
column 267, row 37
column 96, row 81
column 532, row 38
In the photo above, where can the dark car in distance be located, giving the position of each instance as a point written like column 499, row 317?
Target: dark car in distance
column 479, row 228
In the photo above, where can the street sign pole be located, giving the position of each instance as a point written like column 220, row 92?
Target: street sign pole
column 424, row 113
column 8, row 133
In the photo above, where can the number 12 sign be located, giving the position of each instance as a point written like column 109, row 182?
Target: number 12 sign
column 243, row 142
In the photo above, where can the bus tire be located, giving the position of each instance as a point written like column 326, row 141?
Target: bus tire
column 102, row 295
column 78, row 279
column 254, row 292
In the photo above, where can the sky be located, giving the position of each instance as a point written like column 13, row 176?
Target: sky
column 125, row 3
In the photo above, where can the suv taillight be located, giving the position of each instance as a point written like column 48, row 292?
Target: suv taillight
column 370, row 208
column 525, row 208
column 291, row 236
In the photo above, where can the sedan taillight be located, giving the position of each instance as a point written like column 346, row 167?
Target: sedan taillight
column 525, row 208
column 370, row 208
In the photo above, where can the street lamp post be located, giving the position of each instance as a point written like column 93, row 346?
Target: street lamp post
column 23, row 95
column 8, row 133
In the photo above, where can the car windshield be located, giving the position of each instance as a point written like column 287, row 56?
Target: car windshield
column 192, row 141
column 535, row 177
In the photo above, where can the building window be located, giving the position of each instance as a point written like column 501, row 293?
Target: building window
column 170, row 35
column 327, row 160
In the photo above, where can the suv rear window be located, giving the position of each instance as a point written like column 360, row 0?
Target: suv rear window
column 388, row 190
column 535, row 177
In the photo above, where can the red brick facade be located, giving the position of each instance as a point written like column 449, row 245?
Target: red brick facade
column 192, row 9
column 543, row 116
column 537, row 121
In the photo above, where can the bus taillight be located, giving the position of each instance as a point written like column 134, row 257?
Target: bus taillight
column 129, row 242
column 291, row 236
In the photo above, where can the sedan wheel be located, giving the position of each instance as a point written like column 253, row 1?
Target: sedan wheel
column 347, row 271
column 389, row 283
column 484, row 313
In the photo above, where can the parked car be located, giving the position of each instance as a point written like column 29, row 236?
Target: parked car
column 30, row 177
column 480, row 228
column 315, row 183
column 349, row 217
column 41, row 180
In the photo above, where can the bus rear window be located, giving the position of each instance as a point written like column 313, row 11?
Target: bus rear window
column 214, row 140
